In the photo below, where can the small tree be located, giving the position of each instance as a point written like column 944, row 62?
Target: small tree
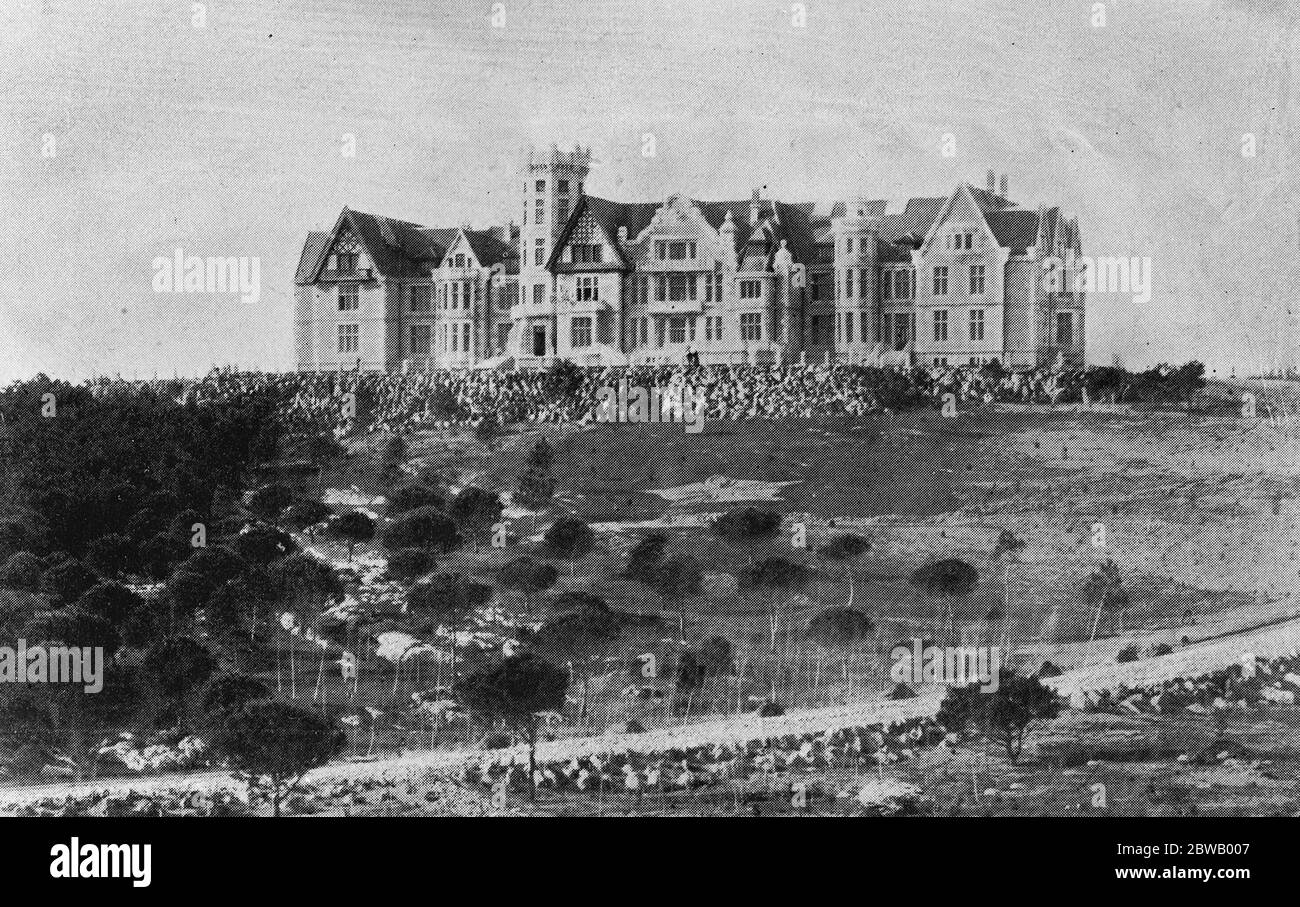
column 527, row 576
column 262, row 544
column 354, row 528
column 449, row 598
column 272, row 744
column 747, row 528
column 584, row 628
column 411, row 496
column 1104, row 591
column 514, row 691
column 775, row 577
column 645, row 557
column 407, row 564
column 541, row 456
column 1006, row 713
column 423, row 527
column 676, row 580
column 269, row 501
column 534, row 491
column 569, row 538
column 303, row 586
column 846, row 550
column 840, row 628
column 305, row 515
column 475, row 511
column 950, row 580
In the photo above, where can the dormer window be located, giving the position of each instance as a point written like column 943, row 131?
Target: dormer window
column 563, row 186
column 541, row 185
column 347, row 262
column 587, row 253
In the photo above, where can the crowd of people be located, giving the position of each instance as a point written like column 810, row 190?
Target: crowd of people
column 398, row 402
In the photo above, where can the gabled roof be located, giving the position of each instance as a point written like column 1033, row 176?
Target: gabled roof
column 398, row 248
column 311, row 251
column 490, row 249
column 1014, row 228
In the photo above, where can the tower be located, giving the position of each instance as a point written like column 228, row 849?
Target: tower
column 855, row 278
column 553, row 181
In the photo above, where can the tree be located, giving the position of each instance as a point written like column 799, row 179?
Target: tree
column 747, row 528
column 584, row 629
column 474, row 510
column 112, row 554
column 527, row 576
column 303, row 586
column 449, row 598
column 846, row 550
column 840, row 628
column 645, row 557
column 354, row 528
column 262, row 544
column 177, row 666
column 514, row 690
column 568, row 538
column 407, row 564
column 273, row 744
column 1006, row 713
column 423, row 527
column 541, row 456
column 678, row 579
column 534, row 491
column 1104, row 590
column 949, row 579
column 775, row 577
column 230, row 691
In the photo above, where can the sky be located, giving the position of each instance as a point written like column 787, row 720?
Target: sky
column 131, row 128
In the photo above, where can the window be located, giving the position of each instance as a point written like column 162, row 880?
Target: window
column 941, row 325
column 712, row 327
column 976, row 324
column 848, row 245
column 347, row 262
column 1064, row 329
column 676, row 330
column 541, row 185
column 751, row 327
column 588, row 289
column 814, row 328
column 539, row 211
column 848, row 284
column 581, row 334
column 751, row 289
column 421, row 339
column 848, row 327
column 539, row 250
column 349, row 337
column 539, row 293
column 819, row 291
column 940, row 360
column 681, row 287
column 349, row 298
column 455, row 294
column 587, row 253
column 645, row 331
column 713, row 288
column 904, row 284
column 977, row 280
column 421, row 298
column 562, row 211
column 562, row 186
column 503, row 337
column 940, row 280
column 459, row 261
column 464, row 336
column 864, row 327
column 886, row 285
column 862, row 282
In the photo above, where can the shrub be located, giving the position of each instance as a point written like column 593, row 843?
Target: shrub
column 411, row 496
column 423, row 527
column 1128, row 653
column 67, row 580
column 771, row 709
column 407, row 564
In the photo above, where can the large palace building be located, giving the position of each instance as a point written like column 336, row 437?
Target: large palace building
column 950, row 280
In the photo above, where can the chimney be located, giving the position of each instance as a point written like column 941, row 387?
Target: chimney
column 1003, row 186
column 992, row 181
column 622, row 235
column 753, row 209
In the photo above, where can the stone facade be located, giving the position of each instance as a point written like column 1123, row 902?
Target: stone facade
column 952, row 280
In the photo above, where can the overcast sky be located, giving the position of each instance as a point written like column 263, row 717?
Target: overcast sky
column 126, row 132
